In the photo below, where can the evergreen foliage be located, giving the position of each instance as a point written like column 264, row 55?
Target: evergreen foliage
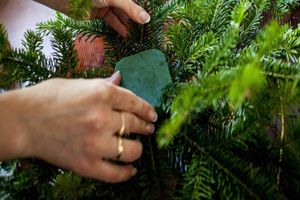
column 79, row 9
column 230, row 128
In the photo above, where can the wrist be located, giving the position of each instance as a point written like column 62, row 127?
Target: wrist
column 13, row 135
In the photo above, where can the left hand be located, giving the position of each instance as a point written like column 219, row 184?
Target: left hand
column 75, row 124
column 117, row 13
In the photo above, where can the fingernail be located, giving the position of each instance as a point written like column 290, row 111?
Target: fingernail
column 144, row 17
column 150, row 128
column 115, row 75
column 133, row 172
column 153, row 116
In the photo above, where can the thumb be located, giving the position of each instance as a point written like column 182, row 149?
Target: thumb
column 134, row 11
column 115, row 78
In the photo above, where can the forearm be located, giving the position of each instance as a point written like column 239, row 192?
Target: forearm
column 58, row 5
column 12, row 125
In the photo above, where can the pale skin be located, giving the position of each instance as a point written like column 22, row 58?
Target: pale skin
column 73, row 123
column 116, row 13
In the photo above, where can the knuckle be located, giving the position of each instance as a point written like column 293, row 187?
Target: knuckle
column 123, row 175
column 106, row 91
column 133, row 154
column 118, row 175
column 131, row 104
column 115, row 177
column 95, row 121
column 132, row 8
column 111, row 177
column 101, row 91
column 142, row 105
column 135, row 151
column 142, row 126
column 139, row 149
column 130, row 123
column 136, row 125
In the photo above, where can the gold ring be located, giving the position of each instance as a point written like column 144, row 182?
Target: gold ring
column 120, row 134
column 122, row 129
column 120, row 147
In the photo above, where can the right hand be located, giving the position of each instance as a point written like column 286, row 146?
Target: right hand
column 117, row 13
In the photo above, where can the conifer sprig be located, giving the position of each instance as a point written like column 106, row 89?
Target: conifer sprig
column 231, row 119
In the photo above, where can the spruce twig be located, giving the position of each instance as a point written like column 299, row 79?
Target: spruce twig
column 222, row 167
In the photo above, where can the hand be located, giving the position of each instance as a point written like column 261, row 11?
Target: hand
column 73, row 124
column 116, row 13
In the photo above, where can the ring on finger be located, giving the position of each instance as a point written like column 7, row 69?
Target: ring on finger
column 120, row 147
column 123, row 125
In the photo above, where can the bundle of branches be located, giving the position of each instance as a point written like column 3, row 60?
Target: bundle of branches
column 230, row 123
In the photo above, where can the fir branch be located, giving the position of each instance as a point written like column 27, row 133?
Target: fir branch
column 252, row 24
column 221, row 15
column 284, row 6
column 32, row 42
column 224, row 148
column 89, row 28
column 191, row 97
column 198, row 179
column 79, row 9
column 3, row 37
column 64, row 54
column 223, row 168
column 28, row 64
column 278, row 76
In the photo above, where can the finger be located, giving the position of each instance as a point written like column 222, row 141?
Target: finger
column 134, row 11
column 132, row 123
column 112, row 173
column 132, row 150
column 123, row 17
column 125, row 100
column 111, row 19
column 115, row 78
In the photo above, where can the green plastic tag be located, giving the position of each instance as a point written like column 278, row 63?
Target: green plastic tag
column 146, row 74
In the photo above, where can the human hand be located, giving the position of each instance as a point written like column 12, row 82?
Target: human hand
column 116, row 13
column 73, row 124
